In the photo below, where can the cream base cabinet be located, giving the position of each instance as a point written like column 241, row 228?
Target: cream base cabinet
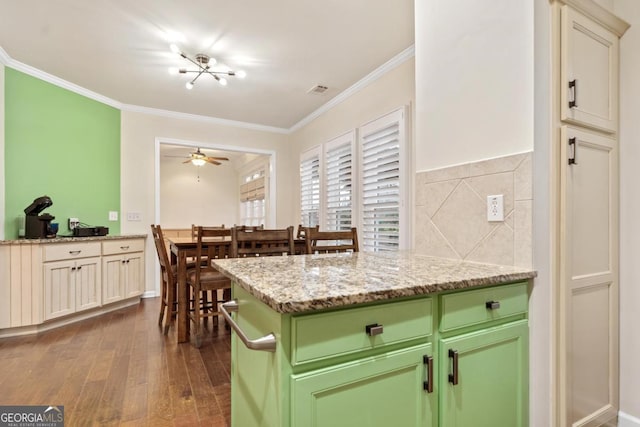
column 122, row 269
column 71, row 286
column 71, row 278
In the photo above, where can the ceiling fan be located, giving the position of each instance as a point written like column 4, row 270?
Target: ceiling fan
column 198, row 158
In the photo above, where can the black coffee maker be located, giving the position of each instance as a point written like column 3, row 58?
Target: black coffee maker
column 38, row 226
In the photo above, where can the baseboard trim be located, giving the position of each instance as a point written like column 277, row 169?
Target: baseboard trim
column 626, row 420
column 67, row 320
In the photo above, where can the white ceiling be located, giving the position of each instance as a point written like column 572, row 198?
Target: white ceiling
column 120, row 49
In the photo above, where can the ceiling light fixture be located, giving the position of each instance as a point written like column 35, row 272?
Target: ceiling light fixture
column 204, row 63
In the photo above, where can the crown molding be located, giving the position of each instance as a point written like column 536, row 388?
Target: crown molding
column 57, row 81
column 605, row 17
column 203, row 119
column 4, row 57
column 397, row 60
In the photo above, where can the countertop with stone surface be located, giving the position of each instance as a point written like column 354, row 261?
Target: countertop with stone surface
column 69, row 239
column 293, row 284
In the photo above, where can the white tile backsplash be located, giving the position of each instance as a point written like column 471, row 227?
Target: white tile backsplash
column 450, row 214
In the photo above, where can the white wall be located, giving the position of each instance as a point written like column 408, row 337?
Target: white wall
column 2, row 179
column 201, row 195
column 393, row 90
column 629, row 10
column 139, row 132
column 474, row 80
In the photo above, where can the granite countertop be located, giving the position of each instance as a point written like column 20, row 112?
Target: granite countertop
column 71, row 239
column 292, row 284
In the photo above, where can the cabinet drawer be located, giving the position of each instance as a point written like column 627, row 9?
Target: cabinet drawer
column 57, row 252
column 115, row 247
column 469, row 308
column 339, row 333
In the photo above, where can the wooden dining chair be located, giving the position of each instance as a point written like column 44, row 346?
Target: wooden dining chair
column 331, row 241
column 205, row 278
column 302, row 231
column 261, row 242
column 194, row 230
column 168, row 280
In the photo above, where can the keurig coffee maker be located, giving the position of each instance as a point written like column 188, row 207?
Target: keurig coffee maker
column 38, row 226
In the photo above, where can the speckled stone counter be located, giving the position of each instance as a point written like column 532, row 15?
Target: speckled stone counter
column 71, row 239
column 301, row 283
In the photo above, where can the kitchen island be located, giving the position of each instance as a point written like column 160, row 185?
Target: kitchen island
column 378, row 339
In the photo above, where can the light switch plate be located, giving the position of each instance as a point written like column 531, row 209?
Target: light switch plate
column 495, row 208
column 113, row 215
column 134, row 216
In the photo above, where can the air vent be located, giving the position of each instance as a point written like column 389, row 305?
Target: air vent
column 318, row 89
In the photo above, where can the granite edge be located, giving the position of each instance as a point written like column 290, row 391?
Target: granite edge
column 334, row 302
column 71, row 239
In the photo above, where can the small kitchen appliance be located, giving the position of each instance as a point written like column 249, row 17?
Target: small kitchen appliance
column 39, row 226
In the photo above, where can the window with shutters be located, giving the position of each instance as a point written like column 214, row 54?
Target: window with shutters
column 381, row 180
column 359, row 180
column 310, row 188
column 339, row 177
column 252, row 198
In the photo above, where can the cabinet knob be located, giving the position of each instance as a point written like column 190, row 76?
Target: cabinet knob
column 373, row 329
column 492, row 305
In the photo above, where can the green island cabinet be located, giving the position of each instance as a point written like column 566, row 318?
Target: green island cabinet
column 454, row 359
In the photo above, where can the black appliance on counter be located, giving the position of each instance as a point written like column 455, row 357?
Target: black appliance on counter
column 38, row 226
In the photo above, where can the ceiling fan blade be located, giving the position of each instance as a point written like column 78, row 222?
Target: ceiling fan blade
column 187, row 161
column 180, row 157
column 213, row 162
column 217, row 158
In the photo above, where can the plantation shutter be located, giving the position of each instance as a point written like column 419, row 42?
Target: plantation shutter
column 380, row 182
column 339, row 174
column 310, row 188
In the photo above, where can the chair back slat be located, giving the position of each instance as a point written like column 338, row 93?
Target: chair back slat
column 261, row 242
column 331, row 241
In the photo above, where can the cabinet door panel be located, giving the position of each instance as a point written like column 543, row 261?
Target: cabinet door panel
column 384, row 390
column 135, row 275
column 112, row 279
column 87, row 283
column 590, row 58
column 59, row 290
column 492, row 378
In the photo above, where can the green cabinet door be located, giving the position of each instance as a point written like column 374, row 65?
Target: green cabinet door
column 490, row 369
column 385, row 390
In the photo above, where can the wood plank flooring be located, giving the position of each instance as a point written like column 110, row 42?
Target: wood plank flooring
column 119, row 370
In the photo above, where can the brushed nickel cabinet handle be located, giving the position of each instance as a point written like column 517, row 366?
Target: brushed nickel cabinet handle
column 265, row 343
column 428, row 384
column 453, row 377
column 373, row 329
column 492, row 305
column 573, row 87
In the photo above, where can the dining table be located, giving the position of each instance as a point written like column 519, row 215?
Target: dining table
column 184, row 248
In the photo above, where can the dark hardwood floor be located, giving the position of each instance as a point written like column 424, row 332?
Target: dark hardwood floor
column 119, row 370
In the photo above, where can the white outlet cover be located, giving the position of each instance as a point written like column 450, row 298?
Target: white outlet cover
column 134, row 216
column 495, row 208
column 113, row 215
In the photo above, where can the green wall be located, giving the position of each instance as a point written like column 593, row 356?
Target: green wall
column 63, row 145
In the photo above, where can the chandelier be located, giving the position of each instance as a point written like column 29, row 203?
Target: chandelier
column 203, row 63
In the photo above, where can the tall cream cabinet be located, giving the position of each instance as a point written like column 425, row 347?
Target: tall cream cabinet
column 50, row 282
column 586, row 124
